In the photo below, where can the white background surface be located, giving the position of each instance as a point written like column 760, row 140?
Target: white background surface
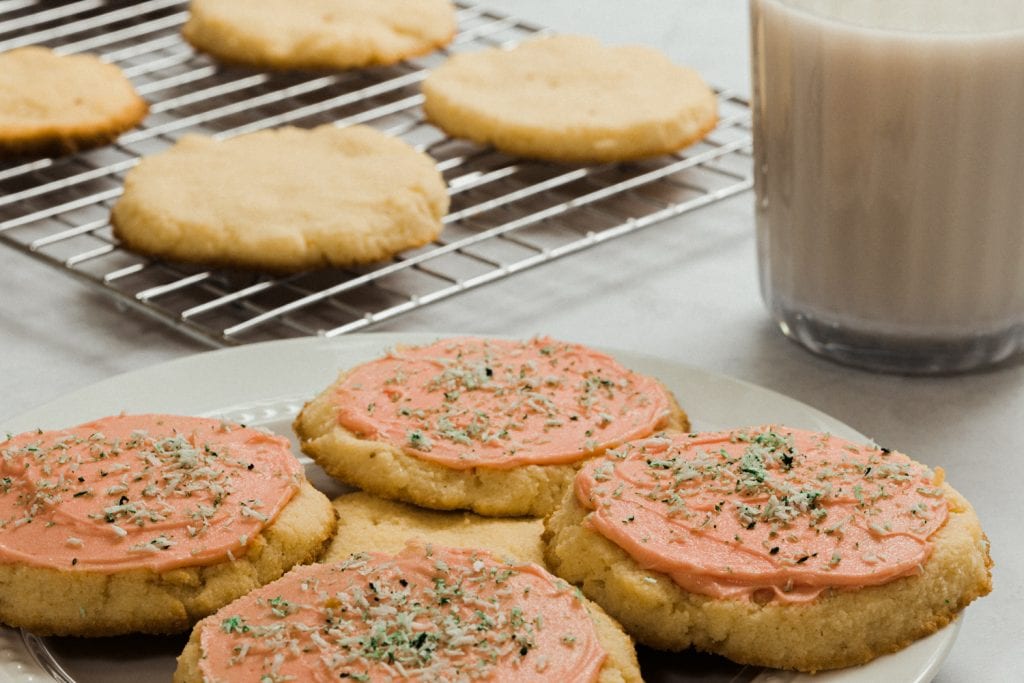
column 685, row 290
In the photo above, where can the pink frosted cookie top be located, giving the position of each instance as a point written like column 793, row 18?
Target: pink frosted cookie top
column 426, row 614
column 140, row 491
column 768, row 512
column 500, row 404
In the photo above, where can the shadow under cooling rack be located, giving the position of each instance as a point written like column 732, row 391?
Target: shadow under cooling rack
column 507, row 214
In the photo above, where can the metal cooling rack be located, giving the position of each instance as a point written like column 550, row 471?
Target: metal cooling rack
column 507, row 214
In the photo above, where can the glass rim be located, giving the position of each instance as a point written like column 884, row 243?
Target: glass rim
column 799, row 7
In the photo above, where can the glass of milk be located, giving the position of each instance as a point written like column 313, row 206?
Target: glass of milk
column 889, row 156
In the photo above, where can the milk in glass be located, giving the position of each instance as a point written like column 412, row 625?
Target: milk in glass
column 889, row 152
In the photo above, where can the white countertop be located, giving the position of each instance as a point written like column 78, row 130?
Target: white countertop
column 685, row 290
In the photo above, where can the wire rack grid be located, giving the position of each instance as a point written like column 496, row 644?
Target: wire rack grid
column 507, row 214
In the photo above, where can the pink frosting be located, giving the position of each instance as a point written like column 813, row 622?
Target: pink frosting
column 140, row 491
column 777, row 512
column 500, row 404
column 427, row 614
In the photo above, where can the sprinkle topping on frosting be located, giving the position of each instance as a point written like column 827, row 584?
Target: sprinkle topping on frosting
column 133, row 491
column 427, row 614
column 500, row 404
column 767, row 512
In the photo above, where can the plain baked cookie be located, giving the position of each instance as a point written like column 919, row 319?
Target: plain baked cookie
column 147, row 523
column 332, row 34
column 366, row 522
column 59, row 104
column 571, row 99
column 494, row 426
column 770, row 546
column 428, row 613
column 286, row 199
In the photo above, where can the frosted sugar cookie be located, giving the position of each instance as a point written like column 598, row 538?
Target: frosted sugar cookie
column 771, row 546
column 570, row 98
column 429, row 613
column 146, row 523
column 366, row 522
column 490, row 425
column 59, row 104
column 331, row 34
column 282, row 200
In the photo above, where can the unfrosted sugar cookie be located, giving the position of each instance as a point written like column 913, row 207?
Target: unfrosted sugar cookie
column 59, row 104
column 366, row 522
column 330, row 34
column 429, row 613
column 286, row 199
column 572, row 99
column 490, row 425
column 771, row 546
column 147, row 523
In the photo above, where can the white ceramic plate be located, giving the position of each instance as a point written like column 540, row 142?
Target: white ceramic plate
column 266, row 384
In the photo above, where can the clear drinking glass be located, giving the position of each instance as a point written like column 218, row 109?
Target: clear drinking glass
column 889, row 165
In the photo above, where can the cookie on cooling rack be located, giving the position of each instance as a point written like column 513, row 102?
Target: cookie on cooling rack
column 772, row 546
column 572, row 99
column 286, row 199
column 427, row 613
column 310, row 34
column 490, row 425
column 366, row 522
column 54, row 104
column 147, row 523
